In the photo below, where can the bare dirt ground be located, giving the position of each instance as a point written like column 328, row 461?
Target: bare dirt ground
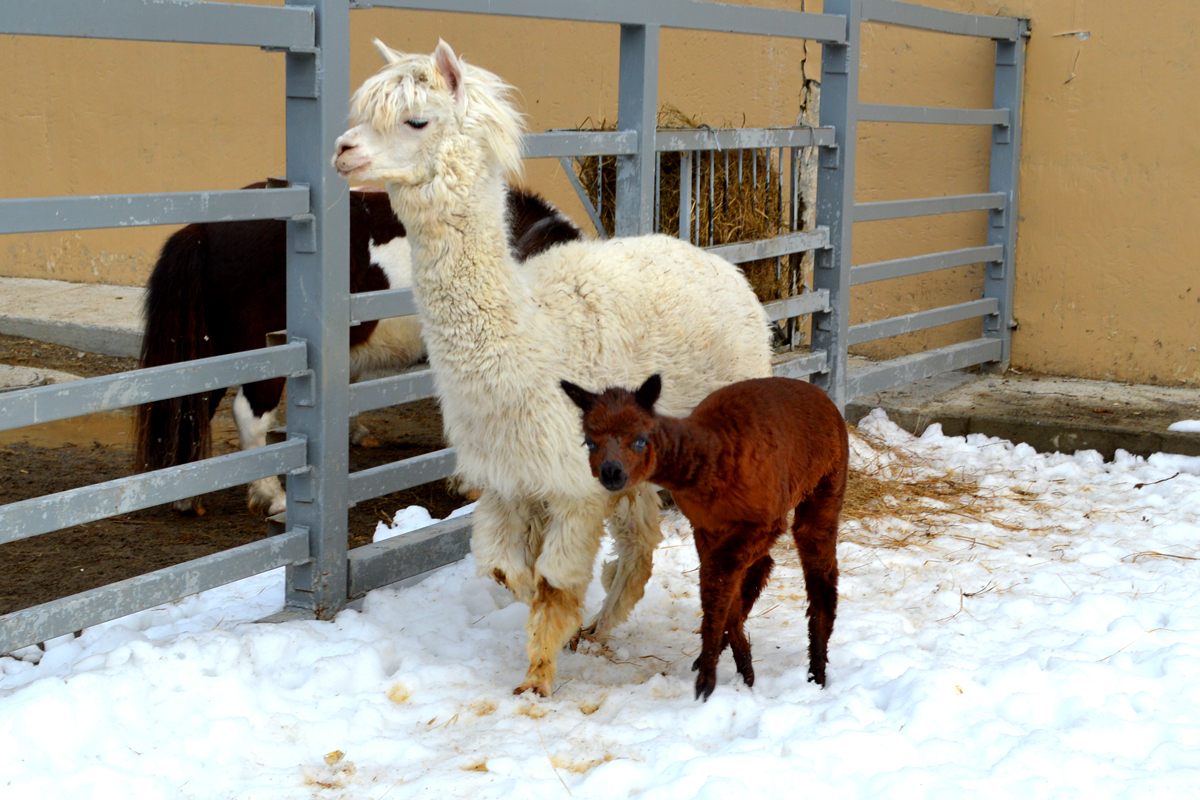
column 45, row 459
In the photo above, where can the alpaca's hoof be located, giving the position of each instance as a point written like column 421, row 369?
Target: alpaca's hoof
column 747, row 675
column 540, row 688
column 696, row 664
column 817, row 676
column 706, row 681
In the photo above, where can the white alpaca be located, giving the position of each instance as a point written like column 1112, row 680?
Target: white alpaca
column 444, row 136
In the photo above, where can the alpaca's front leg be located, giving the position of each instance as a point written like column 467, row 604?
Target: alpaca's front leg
column 636, row 533
column 506, row 539
column 564, row 569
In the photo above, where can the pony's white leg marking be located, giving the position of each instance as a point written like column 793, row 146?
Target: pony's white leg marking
column 266, row 495
column 506, row 540
column 636, row 534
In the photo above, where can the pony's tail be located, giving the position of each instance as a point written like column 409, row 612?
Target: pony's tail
column 176, row 430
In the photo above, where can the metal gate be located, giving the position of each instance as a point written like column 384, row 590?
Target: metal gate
column 313, row 36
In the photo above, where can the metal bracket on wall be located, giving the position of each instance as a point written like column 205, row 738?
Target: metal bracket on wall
column 829, row 156
column 304, row 73
column 305, row 233
column 300, row 481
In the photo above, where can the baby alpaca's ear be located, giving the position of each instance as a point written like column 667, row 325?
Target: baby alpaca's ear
column 647, row 394
column 579, row 396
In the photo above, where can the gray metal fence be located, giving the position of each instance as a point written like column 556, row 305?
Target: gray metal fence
column 313, row 37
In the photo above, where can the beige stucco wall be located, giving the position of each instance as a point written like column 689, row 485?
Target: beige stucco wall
column 1106, row 282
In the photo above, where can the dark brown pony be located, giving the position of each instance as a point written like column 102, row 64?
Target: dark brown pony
column 220, row 287
column 749, row 453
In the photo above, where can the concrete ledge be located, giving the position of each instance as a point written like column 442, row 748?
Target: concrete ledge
column 1049, row 414
column 95, row 318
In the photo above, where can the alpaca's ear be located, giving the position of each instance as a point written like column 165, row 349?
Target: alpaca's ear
column 647, row 394
column 389, row 55
column 579, row 396
column 451, row 69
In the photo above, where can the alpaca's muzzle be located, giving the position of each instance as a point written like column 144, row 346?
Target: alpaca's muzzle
column 612, row 476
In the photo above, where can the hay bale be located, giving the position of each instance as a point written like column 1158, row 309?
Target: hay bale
column 740, row 208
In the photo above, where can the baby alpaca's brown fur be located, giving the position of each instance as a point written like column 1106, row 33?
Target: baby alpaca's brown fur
column 748, row 454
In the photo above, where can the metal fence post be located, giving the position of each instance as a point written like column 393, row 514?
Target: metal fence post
column 318, row 310
column 1005, row 172
column 835, row 197
column 637, row 110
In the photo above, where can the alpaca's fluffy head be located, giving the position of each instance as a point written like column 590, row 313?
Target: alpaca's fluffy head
column 422, row 114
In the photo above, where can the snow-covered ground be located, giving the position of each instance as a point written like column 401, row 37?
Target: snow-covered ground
column 1047, row 648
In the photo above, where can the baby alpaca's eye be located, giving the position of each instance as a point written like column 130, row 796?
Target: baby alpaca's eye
column 416, row 124
column 639, row 444
column 591, row 445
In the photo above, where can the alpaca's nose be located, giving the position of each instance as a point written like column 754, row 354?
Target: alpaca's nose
column 343, row 147
column 612, row 476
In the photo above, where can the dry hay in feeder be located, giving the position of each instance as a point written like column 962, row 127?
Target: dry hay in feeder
column 737, row 209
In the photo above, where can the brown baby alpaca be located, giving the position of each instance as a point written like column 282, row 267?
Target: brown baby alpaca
column 748, row 454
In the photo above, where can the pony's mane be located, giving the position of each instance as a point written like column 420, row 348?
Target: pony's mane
column 413, row 82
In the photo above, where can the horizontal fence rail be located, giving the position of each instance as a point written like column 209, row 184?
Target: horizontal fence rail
column 670, row 140
column 53, row 512
column 697, row 15
column 875, row 112
column 41, row 214
column 579, row 144
column 898, row 209
column 401, row 475
column 288, row 28
column 368, row 306
column 909, row 15
column 110, row 392
column 70, row 614
column 782, row 245
column 916, row 265
column 907, row 369
column 391, row 391
column 910, row 323
column 407, row 555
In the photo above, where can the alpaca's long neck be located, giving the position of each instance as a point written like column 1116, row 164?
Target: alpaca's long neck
column 686, row 454
column 464, row 276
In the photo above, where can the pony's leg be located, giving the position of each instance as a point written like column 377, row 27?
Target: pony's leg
column 563, row 572
column 815, row 529
column 735, row 632
column 636, row 534
column 254, row 413
column 194, row 506
column 506, row 540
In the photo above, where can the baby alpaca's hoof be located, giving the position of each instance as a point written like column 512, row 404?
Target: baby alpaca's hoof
column 539, row 688
column 706, row 681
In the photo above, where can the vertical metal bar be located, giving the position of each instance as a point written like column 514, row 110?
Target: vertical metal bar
column 712, row 197
column 637, row 111
column 780, row 224
column 318, row 310
column 657, row 192
column 685, row 195
column 699, row 190
column 835, row 196
column 600, row 187
column 1005, row 173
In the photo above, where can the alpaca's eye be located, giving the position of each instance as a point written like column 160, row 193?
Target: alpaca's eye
column 591, row 445
column 639, row 444
column 416, row 124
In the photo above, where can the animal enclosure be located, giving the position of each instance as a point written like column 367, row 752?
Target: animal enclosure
column 313, row 38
